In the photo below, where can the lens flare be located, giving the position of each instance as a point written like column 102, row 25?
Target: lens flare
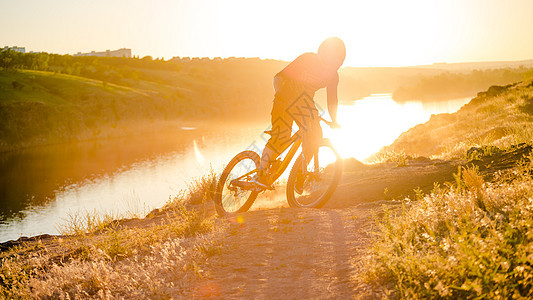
column 199, row 157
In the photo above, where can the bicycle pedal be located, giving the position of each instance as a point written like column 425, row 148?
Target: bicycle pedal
column 262, row 189
column 260, row 186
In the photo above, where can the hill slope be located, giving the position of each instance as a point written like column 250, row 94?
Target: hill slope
column 49, row 108
column 501, row 116
column 39, row 107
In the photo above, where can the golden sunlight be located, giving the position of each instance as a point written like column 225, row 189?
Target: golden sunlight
column 376, row 121
column 394, row 38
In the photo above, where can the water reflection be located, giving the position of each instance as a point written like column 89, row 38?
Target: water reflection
column 41, row 186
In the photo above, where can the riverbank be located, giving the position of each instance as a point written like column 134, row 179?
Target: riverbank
column 42, row 186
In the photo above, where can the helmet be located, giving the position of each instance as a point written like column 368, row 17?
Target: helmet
column 332, row 51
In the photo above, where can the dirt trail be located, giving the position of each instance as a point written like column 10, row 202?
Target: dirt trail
column 289, row 253
column 286, row 253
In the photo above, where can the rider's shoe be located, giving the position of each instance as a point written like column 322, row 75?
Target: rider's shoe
column 261, row 181
column 299, row 184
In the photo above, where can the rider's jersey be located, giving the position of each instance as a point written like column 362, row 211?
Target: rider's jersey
column 309, row 70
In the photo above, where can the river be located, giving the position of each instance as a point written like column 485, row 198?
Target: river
column 44, row 186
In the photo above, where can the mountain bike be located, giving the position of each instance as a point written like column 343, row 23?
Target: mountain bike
column 311, row 181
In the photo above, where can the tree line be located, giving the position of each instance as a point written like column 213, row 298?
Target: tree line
column 119, row 70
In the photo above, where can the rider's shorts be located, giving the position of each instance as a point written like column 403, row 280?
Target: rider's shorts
column 293, row 103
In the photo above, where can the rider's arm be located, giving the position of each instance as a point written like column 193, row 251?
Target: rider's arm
column 333, row 101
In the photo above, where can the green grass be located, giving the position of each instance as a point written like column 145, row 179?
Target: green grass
column 50, row 88
column 50, row 108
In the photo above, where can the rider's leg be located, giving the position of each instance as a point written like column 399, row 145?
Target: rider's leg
column 279, row 138
column 268, row 156
column 307, row 118
column 280, row 134
column 311, row 139
column 278, row 112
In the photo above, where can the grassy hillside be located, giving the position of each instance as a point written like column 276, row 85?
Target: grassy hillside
column 107, row 97
column 501, row 116
column 42, row 107
column 470, row 238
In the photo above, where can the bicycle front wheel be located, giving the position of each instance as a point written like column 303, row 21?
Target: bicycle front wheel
column 234, row 192
column 312, row 181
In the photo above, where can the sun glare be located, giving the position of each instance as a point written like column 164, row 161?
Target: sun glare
column 375, row 32
column 376, row 121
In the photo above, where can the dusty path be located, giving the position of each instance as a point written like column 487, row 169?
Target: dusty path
column 287, row 253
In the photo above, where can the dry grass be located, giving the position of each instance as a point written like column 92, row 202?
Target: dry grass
column 84, row 223
column 157, row 257
column 470, row 240
column 392, row 156
column 201, row 189
column 165, row 271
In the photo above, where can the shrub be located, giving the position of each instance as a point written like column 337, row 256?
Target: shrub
column 397, row 157
column 202, row 189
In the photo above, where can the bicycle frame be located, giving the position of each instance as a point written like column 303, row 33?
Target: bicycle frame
column 295, row 142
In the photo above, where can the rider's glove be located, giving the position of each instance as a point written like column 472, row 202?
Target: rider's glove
column 334, row 125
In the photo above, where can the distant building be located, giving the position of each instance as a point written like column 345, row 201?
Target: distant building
column 123, row 52
column 181, row 59
column 16, row 49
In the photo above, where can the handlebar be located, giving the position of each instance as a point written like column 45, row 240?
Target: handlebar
column 326, row 121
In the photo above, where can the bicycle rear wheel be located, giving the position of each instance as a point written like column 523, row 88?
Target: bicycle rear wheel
column 234, row 193
column 318, row 179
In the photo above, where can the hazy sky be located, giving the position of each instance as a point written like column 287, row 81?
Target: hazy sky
column 376, row 32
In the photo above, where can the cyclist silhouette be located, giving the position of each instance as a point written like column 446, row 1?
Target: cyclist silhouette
column 295, row 87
